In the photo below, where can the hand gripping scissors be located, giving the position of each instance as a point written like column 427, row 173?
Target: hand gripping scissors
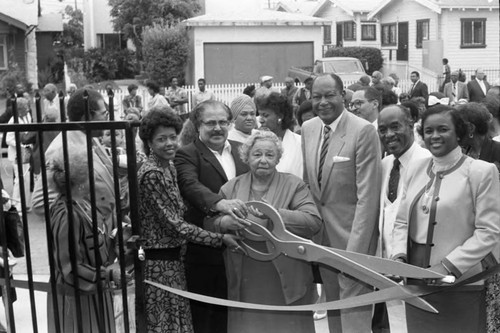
column 366, row 268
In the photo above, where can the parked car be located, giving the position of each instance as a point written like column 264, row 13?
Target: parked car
column 349, row 69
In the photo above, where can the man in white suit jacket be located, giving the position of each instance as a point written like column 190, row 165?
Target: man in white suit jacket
column 347, row 193
column 395, row 128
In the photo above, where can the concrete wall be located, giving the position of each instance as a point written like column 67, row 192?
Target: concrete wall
column 250, row 34
column 96, row 20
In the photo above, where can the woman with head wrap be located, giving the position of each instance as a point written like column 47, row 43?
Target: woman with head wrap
column 244, row 115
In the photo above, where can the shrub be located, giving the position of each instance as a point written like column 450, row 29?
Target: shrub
column 370, row 55
column 10, row 78
column 98, row 64
column 165, row 51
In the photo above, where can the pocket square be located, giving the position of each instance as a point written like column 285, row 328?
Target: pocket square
column 337, row 159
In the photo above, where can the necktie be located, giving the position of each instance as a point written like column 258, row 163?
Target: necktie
column 411, row 90
column 324, row 150
column 393, row 181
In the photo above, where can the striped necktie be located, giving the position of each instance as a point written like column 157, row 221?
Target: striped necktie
column 324, row 150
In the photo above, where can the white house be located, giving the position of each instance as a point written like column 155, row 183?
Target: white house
column 417, row 34
column 241, row 44
column 350, row 24
column 98, row 29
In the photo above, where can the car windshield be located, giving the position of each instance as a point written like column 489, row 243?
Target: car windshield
column 343, row 66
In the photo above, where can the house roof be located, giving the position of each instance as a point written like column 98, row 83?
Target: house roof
column 254, row 17
column 437, row 5
column 348, row 6
column 50, row 22
column 20, row 14
column 292, row 6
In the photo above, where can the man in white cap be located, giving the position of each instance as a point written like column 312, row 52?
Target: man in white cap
column 266, row 82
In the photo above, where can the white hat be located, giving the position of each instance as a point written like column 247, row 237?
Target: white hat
column 265, row 78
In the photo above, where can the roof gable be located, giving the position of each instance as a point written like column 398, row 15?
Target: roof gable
column 348, row 6
column 254, row 17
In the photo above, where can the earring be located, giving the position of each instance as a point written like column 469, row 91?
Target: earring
column 471, row 135
column 279, row 121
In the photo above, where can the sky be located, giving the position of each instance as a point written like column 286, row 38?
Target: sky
column 54, row 6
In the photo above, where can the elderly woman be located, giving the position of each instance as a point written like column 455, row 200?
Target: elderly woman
column 448, row 221
column 163, row 228
column 276, row 115
column 283, row 281
column 244, row 117
column 84, row 250
column 26, row 141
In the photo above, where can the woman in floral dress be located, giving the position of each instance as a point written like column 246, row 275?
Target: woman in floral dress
column 163, row 228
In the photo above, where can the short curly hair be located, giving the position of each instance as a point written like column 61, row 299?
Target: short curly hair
column 78, row 166
column 156, row 117
column 261, row 135
column 278, row 104
column 476, row 114
column 456, row 118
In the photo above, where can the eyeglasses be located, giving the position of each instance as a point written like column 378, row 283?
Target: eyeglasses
column 214, row 123
column 357, row 104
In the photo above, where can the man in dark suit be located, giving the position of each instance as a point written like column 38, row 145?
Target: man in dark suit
column 418, row 89
column 203, row 167
column 478, row 87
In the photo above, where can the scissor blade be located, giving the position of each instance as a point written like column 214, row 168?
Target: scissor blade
column 380, row 296
column 387, row 266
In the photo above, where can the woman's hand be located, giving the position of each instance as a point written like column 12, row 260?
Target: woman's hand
column 228, row 222
column 236, row 208
column 439, row 268
column 231, row 242
column 258, row 216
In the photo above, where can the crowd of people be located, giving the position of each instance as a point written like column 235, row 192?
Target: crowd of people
column 410, row 176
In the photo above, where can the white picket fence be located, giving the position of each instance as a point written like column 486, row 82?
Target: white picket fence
column 227, row 92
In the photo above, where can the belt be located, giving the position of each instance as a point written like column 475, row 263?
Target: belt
column 171, row 253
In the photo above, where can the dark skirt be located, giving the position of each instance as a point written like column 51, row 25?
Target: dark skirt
column 460, row 310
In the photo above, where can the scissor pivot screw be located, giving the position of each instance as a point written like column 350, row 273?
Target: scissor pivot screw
column 301, row 249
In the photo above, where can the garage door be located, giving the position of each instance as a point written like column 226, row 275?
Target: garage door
column 246, row 62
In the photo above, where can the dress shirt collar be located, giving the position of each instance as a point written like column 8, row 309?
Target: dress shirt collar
column 227, row 148
column 333, row 125
column 405, row 159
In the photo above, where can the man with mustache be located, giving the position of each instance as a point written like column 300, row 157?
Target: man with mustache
column 202, row 168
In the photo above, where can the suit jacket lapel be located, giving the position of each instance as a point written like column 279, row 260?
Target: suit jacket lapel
column 312, row 146
column 334, row 149
column 208, row 156
column 238, row 163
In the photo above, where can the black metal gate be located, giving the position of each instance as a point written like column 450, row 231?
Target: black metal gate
column 102, row 287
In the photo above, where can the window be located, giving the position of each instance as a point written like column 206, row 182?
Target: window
column 3, row 52
column 111, row 41
column 422, row 32
column 368, row 32
column 389, row 34
column 327, row 34
column 473, row 33
column 349, row 31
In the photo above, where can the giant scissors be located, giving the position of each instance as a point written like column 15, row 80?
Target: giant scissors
column 369, row 269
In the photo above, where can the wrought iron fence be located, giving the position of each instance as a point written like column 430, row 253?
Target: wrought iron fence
column 53, row 288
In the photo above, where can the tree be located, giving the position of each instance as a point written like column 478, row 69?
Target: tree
column 131, row 16
column 72, row 35
column 165, row 50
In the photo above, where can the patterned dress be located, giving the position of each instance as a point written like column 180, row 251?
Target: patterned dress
column 161, row 211
column 87, row 271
